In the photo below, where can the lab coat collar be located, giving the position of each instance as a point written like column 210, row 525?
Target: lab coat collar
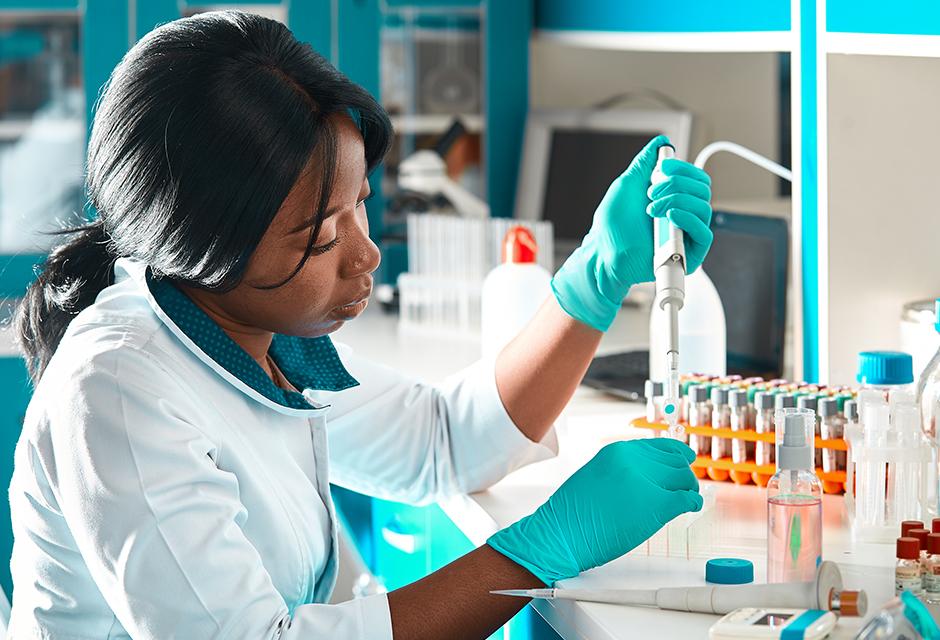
column 308, row 363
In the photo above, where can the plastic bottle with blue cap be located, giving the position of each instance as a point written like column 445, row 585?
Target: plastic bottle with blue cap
column 885, row 371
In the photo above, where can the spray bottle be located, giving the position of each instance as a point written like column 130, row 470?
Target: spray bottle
column 794, row 501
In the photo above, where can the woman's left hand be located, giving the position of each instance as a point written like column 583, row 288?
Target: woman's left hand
column 618, row 250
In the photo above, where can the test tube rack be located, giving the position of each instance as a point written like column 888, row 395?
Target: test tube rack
column 724, row 469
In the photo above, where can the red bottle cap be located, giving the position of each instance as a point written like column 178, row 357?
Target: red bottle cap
column 921, row 535
column 933, row 543
column 908, row 548
column 519, row 246
column 935, row 525
column 907, row 525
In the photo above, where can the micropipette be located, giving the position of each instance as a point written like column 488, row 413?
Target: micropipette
column 669, row 269
column 825, row 592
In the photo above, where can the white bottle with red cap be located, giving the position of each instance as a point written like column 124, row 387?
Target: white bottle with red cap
column 512, row 292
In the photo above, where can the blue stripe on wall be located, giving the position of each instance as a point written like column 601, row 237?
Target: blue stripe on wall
column 912, row 17
column 809, row 191
column 506, row 94
column 104, row 43
column 677, row 15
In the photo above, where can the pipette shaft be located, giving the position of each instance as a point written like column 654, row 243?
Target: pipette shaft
column 669, row 269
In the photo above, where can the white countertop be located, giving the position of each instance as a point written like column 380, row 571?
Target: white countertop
column 732, row 523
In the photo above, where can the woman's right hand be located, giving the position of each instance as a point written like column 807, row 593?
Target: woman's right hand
column 616, row 501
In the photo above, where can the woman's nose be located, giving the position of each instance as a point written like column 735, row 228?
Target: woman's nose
column 364, row 257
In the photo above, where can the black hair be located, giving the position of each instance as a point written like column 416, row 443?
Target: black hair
column 198, row 136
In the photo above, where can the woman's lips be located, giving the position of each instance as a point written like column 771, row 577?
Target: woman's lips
column 353, row 309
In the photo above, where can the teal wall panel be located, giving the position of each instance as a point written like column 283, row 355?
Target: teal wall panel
column 506, row 47
column 16, row 394
column 677, row 15
column 152, row 13
column 913, row 17
column 105, row 40
column 17, row 272
column 310, row 21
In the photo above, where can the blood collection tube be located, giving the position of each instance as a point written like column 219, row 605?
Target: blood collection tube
column 764, row 423
column 832, row 428
column 740, row 421
column 721, row 419
column 653, row 392
column 699, row 416
column 808, row 401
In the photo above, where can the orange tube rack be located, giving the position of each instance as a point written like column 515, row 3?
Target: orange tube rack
column 724, row 469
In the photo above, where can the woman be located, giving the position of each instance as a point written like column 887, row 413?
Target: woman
column 171, row 478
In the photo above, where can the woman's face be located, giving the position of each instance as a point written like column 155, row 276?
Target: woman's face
column 333, row 286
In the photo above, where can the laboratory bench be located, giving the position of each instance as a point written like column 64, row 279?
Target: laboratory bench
column 733, row 522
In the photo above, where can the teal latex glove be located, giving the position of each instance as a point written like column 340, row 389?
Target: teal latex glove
column 618, row 250
column 621, row 497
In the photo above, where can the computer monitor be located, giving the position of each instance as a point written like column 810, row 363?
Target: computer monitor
column 570, row 157
column 748, row 265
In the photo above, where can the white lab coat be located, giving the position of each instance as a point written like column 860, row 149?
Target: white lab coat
column 156, row 495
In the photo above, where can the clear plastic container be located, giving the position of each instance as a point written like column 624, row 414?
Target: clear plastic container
column 928, row 396
column 904, row 617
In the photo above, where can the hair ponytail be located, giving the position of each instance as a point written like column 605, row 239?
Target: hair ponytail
column 71, row 278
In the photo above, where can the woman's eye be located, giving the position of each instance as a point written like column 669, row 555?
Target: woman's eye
column 323, row 248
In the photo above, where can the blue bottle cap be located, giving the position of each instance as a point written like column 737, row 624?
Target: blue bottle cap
column 729, row 571
column 936, row 315
column 885, row 367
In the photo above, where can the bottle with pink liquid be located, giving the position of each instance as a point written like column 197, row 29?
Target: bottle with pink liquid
column 794, row 501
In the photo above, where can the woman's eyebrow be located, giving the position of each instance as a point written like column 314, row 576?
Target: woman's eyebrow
column 308, row 222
